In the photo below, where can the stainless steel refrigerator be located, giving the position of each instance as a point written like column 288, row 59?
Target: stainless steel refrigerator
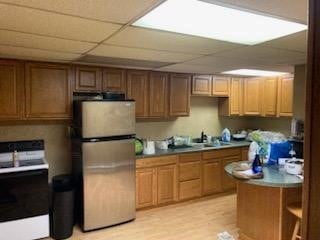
column 104, row 162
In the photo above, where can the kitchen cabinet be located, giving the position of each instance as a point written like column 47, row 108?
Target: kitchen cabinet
column 244, row 153
column 146, row 187
column 179, row 95
column 202, row 85
column 228, row 183
column 11, row 90
column 189, row 175
column 270, row 96
column 211, row 170
column 158, row 97
column 137, row 89
column 285, row 97
column 220, row 86
column 233, row 105
column 113, row 80
column 88, row 78
column 156, row 181
column 48, row 91
column 167, row 184
column 252, row 100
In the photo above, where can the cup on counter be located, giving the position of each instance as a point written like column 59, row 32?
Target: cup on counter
column 209, row 139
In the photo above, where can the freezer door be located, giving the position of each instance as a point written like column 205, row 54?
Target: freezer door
column 104, row 119
column 108, row 183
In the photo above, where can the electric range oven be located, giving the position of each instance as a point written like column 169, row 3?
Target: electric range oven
column 24, row 192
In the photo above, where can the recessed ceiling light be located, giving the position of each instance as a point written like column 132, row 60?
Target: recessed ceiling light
column 203, row 19
column 255, row 73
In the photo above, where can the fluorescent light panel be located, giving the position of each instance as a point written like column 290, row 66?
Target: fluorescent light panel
column 203, row 19
column 255, row 73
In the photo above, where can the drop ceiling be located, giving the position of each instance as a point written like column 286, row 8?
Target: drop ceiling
column 100, row 32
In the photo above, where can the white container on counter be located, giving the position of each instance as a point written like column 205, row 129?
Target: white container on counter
column 148, row 147
column 294, row 166
column 163, row 144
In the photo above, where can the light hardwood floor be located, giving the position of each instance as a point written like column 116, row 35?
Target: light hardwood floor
column 194, row 220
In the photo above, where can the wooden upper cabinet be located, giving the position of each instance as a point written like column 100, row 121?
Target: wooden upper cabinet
column 220, row 86
column 113, row 80
column 252, row 99
column 202, row 85
column 285, row 97
column 236, row 101
column 158, row 94
column 233, row 106
column 88, row 78
column 48, row 91
column 270, row 96
column 179, row 95
column 137, row 89
column 11, row 90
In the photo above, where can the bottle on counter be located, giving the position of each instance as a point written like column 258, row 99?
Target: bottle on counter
column 257, row 165
column 15, row 159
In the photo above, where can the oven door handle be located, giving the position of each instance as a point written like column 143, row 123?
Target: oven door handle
column 23, row 174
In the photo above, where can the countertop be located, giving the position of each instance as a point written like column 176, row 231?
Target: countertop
column 274, row 176
column 233, row 144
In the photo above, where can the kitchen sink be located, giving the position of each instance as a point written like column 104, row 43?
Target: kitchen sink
column 207, row 145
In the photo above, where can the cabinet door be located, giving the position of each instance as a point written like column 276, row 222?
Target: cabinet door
column 146, row 187
column 189, row 171
column 137, row 89
column 158, row 97
column 244, row 153
column 11, row 90
column 201, row 85
column 189, row 189
column 113, row 80
column 88, row 78
column 179, row 99
column 228, row 183
column 167, row 184
column 252, row 97
column 48, row 91
column 285, row 97
column 220, row 86
column 236, row 101
column 211, row 178
column 270, row 94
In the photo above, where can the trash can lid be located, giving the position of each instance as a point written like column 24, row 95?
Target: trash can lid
column 62, row 183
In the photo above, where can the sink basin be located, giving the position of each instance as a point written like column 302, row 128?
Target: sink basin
column 207, row 145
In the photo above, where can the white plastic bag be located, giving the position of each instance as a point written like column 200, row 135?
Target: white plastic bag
column 225, row 236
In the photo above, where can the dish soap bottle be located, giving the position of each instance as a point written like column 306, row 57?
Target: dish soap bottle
column 257, row 165
column 226, row 135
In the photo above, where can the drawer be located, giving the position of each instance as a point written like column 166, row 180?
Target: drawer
column 190, row 157
column 221, row 153
column 156, row 161
column 189, row 171
column 189, row 189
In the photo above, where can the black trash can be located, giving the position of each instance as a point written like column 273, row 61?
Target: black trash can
column 62, row 209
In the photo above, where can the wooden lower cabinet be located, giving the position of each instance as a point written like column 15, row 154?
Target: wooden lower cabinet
column 146, row 187
column 168, row 179
column 228, row 183
column 211, row 177
column 189, row 189
column 167, row 184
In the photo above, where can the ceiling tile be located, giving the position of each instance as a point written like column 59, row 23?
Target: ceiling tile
column 140, row 54
column 294, row 42
column 264, row 54
column 161, row 40
column 27, row 40
column 29, row 53
column 55, row 25
column 291, row 9
column 119, row 11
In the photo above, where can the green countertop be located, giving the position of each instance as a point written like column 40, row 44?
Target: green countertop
column 274, row 176
column 233, row 144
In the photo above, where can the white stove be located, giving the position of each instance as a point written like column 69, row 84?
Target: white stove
column 24, row 191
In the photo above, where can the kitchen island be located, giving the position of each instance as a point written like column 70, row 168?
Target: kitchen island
column 261, row 204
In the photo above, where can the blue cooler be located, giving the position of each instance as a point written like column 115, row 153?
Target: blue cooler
column 279, row 150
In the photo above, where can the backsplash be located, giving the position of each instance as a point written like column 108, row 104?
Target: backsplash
column 203, row 117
